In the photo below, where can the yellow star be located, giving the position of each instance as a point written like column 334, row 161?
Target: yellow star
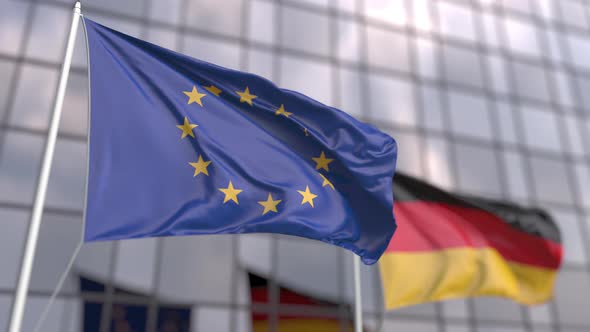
column 246, row 97
column 187, row 128
column 322, row 162
column 306, row 132
column 230, row 193
column 213, row 89
column 269, row 204
column 194, row 96
column 307, row 196
column 326, row 181
column 282, row 111
column 201, row 166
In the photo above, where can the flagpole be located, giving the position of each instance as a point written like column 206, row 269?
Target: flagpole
column 358, row 303
column 20, row 297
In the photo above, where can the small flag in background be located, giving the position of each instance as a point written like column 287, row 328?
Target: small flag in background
column 179, row 146
column 449, row 246
column 295, row 322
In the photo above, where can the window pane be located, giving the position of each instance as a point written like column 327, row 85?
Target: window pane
column 522, row 6
column 162, row 37
column 583, row 85
column 210, row 15
column 94, row 260
column 579, row 48
column 61, row 316
column 34, row 97
column 522, row 37
column 6, row 71
column 5, row 307
column 427, row 310
column 19, row 167
column 135, row 265
column 401, row 325
column 497, row 309
column 409, row 157
column 14, row 226
column 456, row 21
column 212, row 319
column 540, row 129
column 262, row 21
column 564, row 91
column 392, row 100
column 506, row 122
column 500, row 329
column 387, row 49
column 531, row 82
column 388, row 11
column 497, row 67
column 547, row 9
column 438, row 163
column 12, row 21
column 182, row 276
column 305, row 31
column 48, row 35
column 350, row 93
column 555, row 50
column 477, row 170
column 165, row 11
column 58, row 237
column 74, row 117
column 427, row 58
column 462, row 66
column 422, row 18
column 212, row 50
column 131, row 7
column 346, row 5
column 311, row 267
column 129, row 27
column 470, row 115
column 515, row 176
column 348, row 40
column 569, row 227
column 296, row 73
column 489, row 29
column 260, row 63
column 255, row 253
column 575, row 140
column 541, row 313
column 455, row 309
column 571, row 303
column 573, row 13
column 550, row 179
column 431, row 108
column 582, row 172
column 66, row 183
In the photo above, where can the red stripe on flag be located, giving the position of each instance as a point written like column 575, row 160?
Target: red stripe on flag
column 429, row 226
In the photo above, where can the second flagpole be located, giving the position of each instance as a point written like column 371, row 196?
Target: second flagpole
column 18, row 307
column 358, row 301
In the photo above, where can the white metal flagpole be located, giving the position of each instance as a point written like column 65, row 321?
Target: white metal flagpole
column 358, row 301
column 22, row 288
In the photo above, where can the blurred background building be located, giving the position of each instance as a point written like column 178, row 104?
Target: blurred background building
column 484, row 97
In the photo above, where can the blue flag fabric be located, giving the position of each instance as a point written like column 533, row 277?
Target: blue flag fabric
column 179, row 146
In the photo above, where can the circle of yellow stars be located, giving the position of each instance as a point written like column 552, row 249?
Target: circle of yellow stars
column 322, row 162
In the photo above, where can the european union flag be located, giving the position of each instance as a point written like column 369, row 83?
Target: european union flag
column 179, row 146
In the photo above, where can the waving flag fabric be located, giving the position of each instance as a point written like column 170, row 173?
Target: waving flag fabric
column 295, row 322
column 448, row 246
column 179, row 146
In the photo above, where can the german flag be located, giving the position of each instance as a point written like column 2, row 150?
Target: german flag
column 291, row 322
column 450, row 246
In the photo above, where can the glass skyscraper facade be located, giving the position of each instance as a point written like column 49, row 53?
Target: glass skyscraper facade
column 485, row 97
